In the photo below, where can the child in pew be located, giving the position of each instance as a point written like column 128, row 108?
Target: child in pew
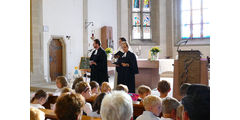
column 36, row 114
column 61, row 82
column 97, row 106
column 152, row 106
column 143, row 91
column 94, row 88
column 64, row 90
column 105, row 87
column 39, row 99
column 163, row 88
column 183, row 89
column 69, row 106
column 169, row 108
column 84, row 89
column 196, row 103
column 179, row 112
column 77, row 80
column 122, row 87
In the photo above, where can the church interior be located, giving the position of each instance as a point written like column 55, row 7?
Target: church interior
column 62, row 34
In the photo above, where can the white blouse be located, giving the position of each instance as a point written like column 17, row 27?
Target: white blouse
column 163, row 118
column 147, row 115
column 94, row 114
column 37, row 106
column 87, row 108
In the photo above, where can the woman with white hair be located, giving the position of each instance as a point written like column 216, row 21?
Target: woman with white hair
column 116, row 105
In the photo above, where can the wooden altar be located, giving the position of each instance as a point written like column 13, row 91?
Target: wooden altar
column 148, row 73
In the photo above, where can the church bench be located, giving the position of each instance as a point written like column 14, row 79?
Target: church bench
column 51, row 100
column 49, row 114
column 137, row 107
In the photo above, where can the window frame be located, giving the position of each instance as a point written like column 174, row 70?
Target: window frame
column 178, row 26
column 141, row 22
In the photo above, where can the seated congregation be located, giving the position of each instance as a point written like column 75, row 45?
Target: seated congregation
column 91, row 101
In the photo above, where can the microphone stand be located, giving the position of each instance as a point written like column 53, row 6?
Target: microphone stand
column 180, row 42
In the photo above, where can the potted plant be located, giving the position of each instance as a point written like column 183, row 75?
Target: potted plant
column 108, row 51
column 154, row 53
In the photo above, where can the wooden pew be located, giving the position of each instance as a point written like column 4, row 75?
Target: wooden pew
column 49, row 114
column 51, row 100
column 137, row 107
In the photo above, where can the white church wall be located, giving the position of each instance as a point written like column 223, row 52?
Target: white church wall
column 102, row 13
column 63, row 18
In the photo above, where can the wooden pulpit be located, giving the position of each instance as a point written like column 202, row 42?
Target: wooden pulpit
column 189, row 68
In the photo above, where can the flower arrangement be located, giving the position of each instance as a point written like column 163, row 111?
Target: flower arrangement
column 108, row 50
column 155, row 50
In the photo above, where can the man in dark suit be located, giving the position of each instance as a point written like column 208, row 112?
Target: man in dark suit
column 98, row 63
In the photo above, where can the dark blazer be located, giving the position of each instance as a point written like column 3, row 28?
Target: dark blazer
column 99, row 72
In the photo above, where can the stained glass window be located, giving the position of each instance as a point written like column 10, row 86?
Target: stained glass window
column 146, row 5
column 146, row 19
column 136, row 19
column 136, row 5
column 194, row 19
column 141, row 19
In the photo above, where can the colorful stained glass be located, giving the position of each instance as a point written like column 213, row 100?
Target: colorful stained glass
column 146, row 33
column 196, row 16
column 206, row 31
column 185, row 31
column 146, row 19
column 146, row 5
column 136, row 33
column 136, row 19
column 197, row 31
column 136, row 5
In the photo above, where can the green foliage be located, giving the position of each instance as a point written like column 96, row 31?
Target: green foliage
column 108, row 50
column 155, row 50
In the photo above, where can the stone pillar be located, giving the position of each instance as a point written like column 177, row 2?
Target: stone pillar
column 36, row 56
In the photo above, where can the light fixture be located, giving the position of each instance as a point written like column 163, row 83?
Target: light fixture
column 87, row 24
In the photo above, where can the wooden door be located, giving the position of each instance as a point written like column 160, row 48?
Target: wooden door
column 55, row 59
